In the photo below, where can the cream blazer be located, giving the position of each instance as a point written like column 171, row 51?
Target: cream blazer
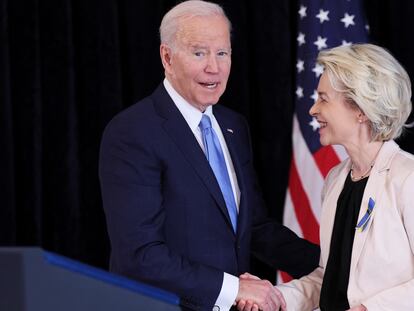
column 382, row 263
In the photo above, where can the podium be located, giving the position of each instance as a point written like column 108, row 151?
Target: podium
column 32, row 279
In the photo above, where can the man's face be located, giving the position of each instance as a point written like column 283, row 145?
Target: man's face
column 199, row 65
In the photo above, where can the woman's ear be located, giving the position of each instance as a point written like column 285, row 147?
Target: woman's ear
column 361, row 116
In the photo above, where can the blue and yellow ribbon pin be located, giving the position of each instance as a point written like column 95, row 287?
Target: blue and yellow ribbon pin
column 367, row 216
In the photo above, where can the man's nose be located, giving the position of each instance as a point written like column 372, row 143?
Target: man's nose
column 212, row 64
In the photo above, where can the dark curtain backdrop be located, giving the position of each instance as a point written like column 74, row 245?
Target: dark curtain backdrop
column 67, row 67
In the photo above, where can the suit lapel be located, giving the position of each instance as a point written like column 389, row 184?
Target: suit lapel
column 329, row 210
column 374, row 188
column 177, row 128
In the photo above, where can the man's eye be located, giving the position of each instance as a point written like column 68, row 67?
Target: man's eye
column 199, row 54
column 222, row 53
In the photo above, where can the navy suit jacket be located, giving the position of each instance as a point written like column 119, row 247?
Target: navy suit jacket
column 166, row 217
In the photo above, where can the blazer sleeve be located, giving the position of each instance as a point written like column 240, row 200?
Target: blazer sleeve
column 399, row 297
column 303, row 294
column 131, row 183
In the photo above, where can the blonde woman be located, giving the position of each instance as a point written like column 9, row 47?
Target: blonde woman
column 367, row 221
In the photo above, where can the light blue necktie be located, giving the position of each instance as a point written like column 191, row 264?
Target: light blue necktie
column 217, row 162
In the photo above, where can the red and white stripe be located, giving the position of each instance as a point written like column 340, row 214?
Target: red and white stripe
column 303, row 197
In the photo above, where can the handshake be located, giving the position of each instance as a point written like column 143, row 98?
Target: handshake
column 256, row 294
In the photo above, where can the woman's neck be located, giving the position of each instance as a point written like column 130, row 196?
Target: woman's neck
column 363, row 158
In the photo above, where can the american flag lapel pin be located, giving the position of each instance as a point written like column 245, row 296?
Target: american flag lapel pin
column 230, row 131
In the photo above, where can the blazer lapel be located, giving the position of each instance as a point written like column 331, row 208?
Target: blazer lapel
column 373, row 190
column 329, row 210
column 179, row 131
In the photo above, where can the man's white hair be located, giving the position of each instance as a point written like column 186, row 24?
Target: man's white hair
column 170, row 24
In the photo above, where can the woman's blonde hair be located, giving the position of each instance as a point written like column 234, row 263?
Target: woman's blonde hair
column 371, row 78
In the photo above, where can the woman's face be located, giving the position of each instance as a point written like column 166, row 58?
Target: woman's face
column 338, row 120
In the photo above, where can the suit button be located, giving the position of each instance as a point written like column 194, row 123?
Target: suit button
column 216, row 308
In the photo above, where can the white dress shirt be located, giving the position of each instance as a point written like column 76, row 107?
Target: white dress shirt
column 192, row 116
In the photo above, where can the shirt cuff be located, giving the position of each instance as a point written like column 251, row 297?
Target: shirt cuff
column 228, row 293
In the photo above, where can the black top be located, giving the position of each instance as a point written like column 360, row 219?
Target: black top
column 335, row 281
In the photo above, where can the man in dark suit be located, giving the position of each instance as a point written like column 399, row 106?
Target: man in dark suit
column 183, row 209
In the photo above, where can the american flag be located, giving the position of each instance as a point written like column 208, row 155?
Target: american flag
column 321, row 25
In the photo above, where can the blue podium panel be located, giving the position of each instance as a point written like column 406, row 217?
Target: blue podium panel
column 34, row 280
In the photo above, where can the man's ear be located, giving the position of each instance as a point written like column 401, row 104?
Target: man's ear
column 166, row 57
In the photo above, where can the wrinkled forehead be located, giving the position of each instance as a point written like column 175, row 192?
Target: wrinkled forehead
column 203, row 29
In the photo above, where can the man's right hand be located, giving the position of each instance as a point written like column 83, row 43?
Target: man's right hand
column 255, row 294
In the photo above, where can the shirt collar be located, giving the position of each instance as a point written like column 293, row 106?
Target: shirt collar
column 190, row 113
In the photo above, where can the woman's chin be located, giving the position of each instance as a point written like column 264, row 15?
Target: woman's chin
column 324, row 142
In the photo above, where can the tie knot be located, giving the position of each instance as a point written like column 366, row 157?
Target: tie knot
column 205, row 122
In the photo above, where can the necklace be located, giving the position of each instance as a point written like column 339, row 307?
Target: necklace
column 365, row 174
